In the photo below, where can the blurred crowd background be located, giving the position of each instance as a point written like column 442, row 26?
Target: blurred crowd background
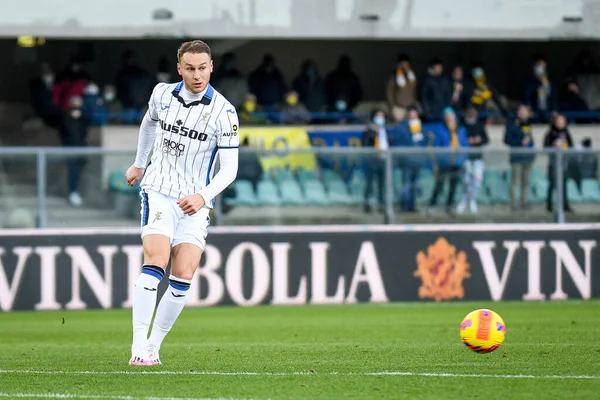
column 427, row 128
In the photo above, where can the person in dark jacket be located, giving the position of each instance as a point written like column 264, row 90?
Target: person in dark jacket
column 436, row 92
column 520, row 136
column 342, row 87
column 310, row 87
column 410, row 134
column 448, row 135
column 474, row 166
column 375, row 136
column 540, row 93
column 268, row 84
column 558, row 138
column 459, row 99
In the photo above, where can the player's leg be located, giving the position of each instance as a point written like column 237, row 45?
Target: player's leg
column 157, row 229
column 188, row 244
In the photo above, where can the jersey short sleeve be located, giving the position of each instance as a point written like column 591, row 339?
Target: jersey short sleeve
column 154, row 102
column 228, row 125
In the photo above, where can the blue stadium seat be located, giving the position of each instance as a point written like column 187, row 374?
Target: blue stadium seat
column 338, row 193
column 499, row 191
column 330, row 175
column 291, row 193
column 425, row 186
column 244, row 194
column 268, row 194
column 573, row 192
column 314, row 193
column 304, row 175
column 590, row 190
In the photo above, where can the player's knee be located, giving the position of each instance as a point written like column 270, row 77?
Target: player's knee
column 184, row 272
column 158, row 257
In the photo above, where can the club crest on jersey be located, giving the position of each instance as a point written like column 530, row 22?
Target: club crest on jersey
column 173, row 147
column 184, row 131
column 205, row 117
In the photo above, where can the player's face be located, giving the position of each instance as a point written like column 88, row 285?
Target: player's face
column 195, row 69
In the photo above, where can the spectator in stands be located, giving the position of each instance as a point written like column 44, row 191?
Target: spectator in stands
column 474, row 166
column 293, row 112
column 266, row 82
column 558, row 138
column 410, row 134
column 310, row 87
column 480, row 91
column 230, row 82
column 588, row 164
column 250, row 113
column 70, row 83
column 401, row 88
column 93, row 103
column 41, row 92
column 342, row 87
column 519, row 136
column 448, row 135
column 163, row 73
column 436, row 92
column 375, row 136
column 134, row 86
column 571, row 99
column 540, row 92
column 458, row 101
column 584, row 64
column 76, row 123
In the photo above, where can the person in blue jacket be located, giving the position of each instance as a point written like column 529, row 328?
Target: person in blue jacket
column 410, row 134
column 448, row 135
column 520, row 136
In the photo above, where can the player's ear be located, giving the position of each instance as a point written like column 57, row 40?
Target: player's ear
column 179, row 69
column 211, row 65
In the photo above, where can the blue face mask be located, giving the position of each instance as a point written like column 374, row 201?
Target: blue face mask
column 340, row 105
column 379, row 121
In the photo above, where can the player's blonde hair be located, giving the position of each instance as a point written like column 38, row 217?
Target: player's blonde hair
column 194, row 47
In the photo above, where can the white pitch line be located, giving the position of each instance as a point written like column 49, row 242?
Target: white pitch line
column 103, row 396
column 248, row 373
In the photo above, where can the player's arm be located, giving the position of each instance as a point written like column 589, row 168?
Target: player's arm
column 146, row 138
column 228, row 142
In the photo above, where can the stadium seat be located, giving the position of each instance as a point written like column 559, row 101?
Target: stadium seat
column 499, row 191
column 357, row 186
column 268, row 194
column 425, row 186
column 291, row 193
column 338, row 193
column 590, row 190
column 573, row 192
column 492, row 174
column 304, row 175
column 281, row 175
column 314, row 193
column 537, row 174
column 330, row 175
column 244, row 194
column 539, row 191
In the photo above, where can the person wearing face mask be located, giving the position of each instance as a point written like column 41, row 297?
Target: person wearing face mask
column 293, row 112
column 474, row 166
column 250, row 112
column 480, row 92
column 342, row 87
column 401, row 88
column 459, row 99
column 448, row 135
column 375, row 136
column 520, row 136
column 40, row 92
column 558, row 137
column 310, row 87
column 540, row 93
column 268, row 84
column 410, row 134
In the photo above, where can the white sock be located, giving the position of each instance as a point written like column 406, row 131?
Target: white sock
column 144, row 302
column 168, row 310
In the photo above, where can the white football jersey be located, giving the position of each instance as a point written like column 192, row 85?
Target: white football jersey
column 190, row 129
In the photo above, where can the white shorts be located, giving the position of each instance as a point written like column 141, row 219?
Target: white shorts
column 161, row 215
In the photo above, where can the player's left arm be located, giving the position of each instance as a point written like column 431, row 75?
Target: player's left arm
column 228, row 142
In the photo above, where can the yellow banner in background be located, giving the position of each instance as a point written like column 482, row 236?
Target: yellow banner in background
column 277, row 147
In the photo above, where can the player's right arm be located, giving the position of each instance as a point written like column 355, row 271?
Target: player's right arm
column 146, row 139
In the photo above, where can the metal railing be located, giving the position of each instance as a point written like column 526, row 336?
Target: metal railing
column 357, row 158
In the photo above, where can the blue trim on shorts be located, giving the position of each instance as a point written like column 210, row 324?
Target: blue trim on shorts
column 183, row 286
column 145, row 208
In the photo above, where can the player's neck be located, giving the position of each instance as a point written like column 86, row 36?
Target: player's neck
column 186, row 94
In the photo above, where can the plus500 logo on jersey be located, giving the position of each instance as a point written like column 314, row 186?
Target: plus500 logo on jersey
column 183, row 130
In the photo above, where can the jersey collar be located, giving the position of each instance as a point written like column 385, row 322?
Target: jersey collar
column 205, row 100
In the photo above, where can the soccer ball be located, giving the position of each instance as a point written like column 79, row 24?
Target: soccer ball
column 482, row 331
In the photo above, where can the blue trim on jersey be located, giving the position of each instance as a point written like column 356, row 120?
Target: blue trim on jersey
column 210, row 92
column 205, row 100
column 228, row 147
column 183, row 286
column 145, row 208
column 156, row 272
column 179, row 86
column 212, row 159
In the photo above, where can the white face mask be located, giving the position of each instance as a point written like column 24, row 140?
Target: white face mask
column 379, row 121
column 48, row 79
column 92, row 89
column 471, row 120
column 109, row 96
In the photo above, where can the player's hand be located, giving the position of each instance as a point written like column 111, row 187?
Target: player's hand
column 191, row 204
column 133, row 175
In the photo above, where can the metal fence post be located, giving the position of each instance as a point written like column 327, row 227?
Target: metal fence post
column 560, row 182
column 389, row 188
column 41, row 167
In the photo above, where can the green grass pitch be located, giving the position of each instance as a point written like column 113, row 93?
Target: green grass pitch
column 395, row 351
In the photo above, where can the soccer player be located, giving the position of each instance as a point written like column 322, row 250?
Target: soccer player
column 187, row 124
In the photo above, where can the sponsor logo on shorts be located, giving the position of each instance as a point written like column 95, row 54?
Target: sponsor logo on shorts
column 157, row 216
column 173, row 148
